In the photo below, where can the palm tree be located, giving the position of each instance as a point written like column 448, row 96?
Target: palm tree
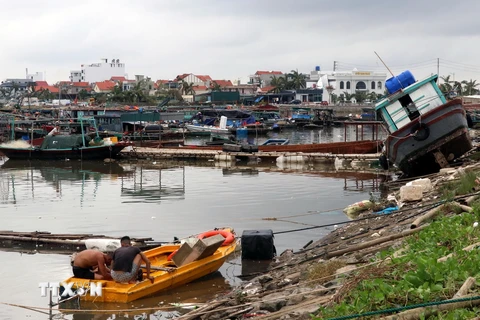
column 187, row 88
column 348, row 96
column 216, row 87
column 470, row 87
column 298, row 80
column 279, row 83
column 360, row 96
column 458, row 87
column 446, row 86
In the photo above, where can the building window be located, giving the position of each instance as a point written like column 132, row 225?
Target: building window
column 373, row 85
column 348, row 85
column 379, row 85
column 361, row 85
column 341, row 85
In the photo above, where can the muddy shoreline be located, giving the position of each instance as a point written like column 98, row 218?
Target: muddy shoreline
column 299, row 282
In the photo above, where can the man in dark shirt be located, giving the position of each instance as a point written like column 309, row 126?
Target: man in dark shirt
column 126, row 262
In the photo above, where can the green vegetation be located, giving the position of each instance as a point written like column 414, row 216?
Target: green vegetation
column 416, row 276
column 465, row 185
column 292, row 81
column 461, row 88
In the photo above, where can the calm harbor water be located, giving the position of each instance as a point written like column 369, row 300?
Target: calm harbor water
column 159, row 201
column 302, row 135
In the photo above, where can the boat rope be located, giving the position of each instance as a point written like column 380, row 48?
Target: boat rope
column 413, row 306
column 426, row 208
column 302, row 214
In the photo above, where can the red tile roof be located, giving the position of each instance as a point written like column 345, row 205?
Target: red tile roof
column 80, row 84
column 259, row 73
column 268, row 88
column 41, row 83
column 200, row 88
column 223, row 83
column 182, row 76
column 118, row 79
column 204, row 78
column 52, row 89
column 105, row 85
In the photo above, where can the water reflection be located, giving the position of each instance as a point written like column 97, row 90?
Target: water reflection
column 138, row 183
column 154, row 184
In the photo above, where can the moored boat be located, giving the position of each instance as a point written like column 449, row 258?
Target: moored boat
column 60, row 147
column 206, row 129
column 425, row 131
column 164, row 271
column 348, row 147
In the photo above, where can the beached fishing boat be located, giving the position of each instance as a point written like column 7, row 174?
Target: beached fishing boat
column 164, row 271
column 425, row 131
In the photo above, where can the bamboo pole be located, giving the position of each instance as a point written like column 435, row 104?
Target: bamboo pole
column 464, row 288
column 430, row 214
column 469, row 248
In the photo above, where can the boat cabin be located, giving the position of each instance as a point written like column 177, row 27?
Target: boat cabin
column 409, row 103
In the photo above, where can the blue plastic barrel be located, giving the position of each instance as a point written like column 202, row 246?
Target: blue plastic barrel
column 401, row 81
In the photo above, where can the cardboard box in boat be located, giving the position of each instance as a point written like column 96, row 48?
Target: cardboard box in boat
column 199, row 249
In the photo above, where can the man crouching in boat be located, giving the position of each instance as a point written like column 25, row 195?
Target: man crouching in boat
column 126, row 263
column 86, row 261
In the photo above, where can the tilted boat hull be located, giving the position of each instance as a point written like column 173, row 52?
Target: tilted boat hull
column 124, row 293
column 447, row 133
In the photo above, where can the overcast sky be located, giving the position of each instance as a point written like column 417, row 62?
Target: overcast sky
column 230, row 39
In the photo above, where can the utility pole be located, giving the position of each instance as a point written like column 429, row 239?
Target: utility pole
column 334, row 65
column 438, row 67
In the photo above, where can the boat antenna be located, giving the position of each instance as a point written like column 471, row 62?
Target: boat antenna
column 384, row 64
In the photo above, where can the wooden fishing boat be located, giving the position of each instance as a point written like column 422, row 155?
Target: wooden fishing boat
column 349, row 147
column 165, row 273
column 71, row 152
column 73, row 147
column 425, row 131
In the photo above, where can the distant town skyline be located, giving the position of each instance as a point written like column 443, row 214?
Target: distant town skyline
column 231, row 40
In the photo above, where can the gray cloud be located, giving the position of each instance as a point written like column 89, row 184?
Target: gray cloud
column 232, row 39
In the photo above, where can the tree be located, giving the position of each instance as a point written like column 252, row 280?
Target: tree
column 216, row 87
column 360, row 96
column 470, row 87
column 280, row 84
column 446, row 86
column 83, row 94
column 348, row 96
column 297, row 80
column 187, row 88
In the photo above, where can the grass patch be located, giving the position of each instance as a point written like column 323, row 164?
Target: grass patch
column 465, row 185
column 324, row 272
column 416, row 276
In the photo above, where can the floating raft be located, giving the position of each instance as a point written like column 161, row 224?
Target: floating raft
column 198, row 154
column 39, row 241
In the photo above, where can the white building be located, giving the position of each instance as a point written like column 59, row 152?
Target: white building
column 97, row 72
column 37, row 76
column 351, row 82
